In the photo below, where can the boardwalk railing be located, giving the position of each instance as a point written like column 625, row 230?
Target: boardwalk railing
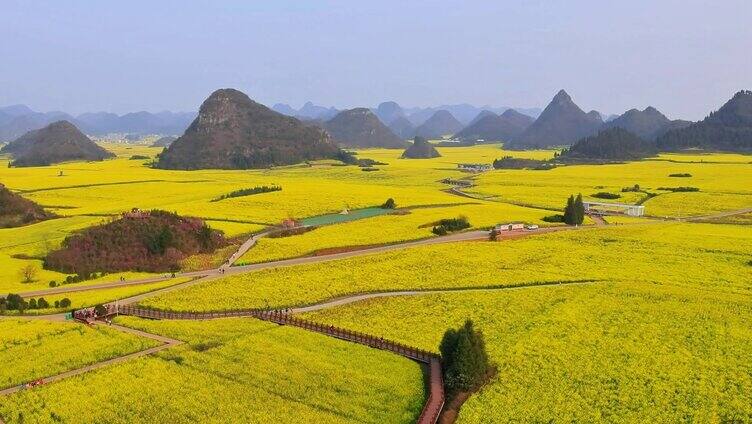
column 436, row 397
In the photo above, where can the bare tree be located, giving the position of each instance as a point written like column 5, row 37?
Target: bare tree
column 29, row 273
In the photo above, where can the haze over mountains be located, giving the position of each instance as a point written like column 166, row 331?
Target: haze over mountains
column 441, row 123
column 562, row 122
column 492, row 127
column 360, row 127
column 17, row 120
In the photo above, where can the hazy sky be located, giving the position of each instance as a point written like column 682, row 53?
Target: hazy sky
column 684, row 57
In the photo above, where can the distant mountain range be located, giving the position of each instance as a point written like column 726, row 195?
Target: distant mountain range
column 17, row 120
column 489, row 126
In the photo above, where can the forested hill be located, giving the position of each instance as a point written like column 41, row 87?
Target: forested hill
column 727, row 129
column 614, row 144
column 234, row 132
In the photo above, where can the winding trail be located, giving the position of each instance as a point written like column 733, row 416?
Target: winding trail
column 166, row 343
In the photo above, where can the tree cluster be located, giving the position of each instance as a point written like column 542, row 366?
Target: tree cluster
column 445, row 226
column 614, row 144
column 509, row 162
column 248, row 192
column 14, row 302
column 574, row 212
column 154, row 242
column 465, row 360
column 679, row 189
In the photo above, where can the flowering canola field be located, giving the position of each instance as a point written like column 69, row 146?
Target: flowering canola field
column 606, row 352
column 33, row 349
column 706, row 255
column 234, row 370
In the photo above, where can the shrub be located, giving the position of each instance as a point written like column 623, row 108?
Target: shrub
column 682, row 175
column 248, row 192
column 679, row 189
column 553, row 218
column 32, row 303
column 15, row 302
column 57, row 304
column 449, row 225
column 100, row 310
column 466, row 363
column 368, row 163
column 53, row 283
column 634, row 188
column 606, row 195
column 389, row 204
column 139, row 157
column 65, row 302
column 42, row 303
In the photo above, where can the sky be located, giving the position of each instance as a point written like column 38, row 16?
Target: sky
column 685, row 57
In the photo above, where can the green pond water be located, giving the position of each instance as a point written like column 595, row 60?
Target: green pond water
column 335, row 218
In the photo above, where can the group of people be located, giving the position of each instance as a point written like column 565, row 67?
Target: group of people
column 31, row 384
column 87, row 314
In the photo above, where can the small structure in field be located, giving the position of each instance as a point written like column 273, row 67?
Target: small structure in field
column 602, row 208
column 512, row 226
column 474, row 167
column 136, row 213
column 290, row 223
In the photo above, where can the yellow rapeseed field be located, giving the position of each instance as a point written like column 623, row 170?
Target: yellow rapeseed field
column 234, row 370
column 706, row 255
column 606, row 352
column 33, row 349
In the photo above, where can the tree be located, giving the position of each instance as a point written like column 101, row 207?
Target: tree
column 466, row 363
column 29, row 273
column 569, row 218
column 574, row 212
column 42, row 303
column 579, row 210
column 14, row 302
column 65, row 302
column 389, row 204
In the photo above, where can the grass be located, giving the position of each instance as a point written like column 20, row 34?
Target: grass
column 713, row 256
column 33, row 349
column 238, row 370
column 606, row 352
